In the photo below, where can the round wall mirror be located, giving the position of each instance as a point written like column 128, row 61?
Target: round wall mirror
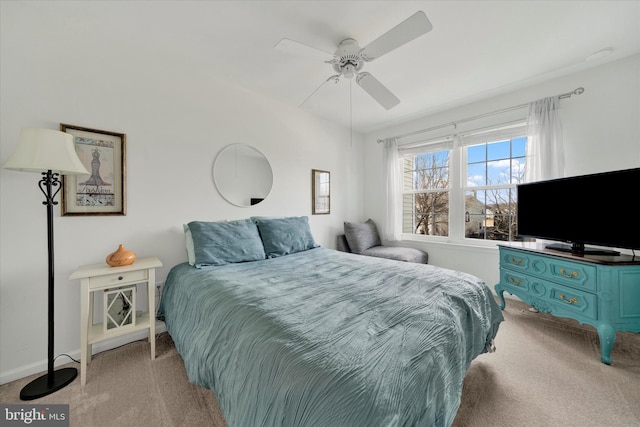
column 242, row 175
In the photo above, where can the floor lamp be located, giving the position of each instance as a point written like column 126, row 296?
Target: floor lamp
column 52, row 153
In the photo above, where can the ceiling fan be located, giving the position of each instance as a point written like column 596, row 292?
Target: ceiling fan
column 349, row 57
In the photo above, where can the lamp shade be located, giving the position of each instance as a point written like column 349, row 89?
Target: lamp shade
column 45, row 149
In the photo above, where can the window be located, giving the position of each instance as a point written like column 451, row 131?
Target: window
column 492, row 171
column 425, row 198
column 464, row 187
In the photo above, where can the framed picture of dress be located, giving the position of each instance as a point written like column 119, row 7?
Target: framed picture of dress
column 103, row 191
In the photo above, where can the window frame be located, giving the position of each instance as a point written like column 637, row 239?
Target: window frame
column 458, row 169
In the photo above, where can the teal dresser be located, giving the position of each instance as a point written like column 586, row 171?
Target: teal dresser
column 601, row 291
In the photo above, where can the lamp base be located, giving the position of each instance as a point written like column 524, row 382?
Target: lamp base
column 40, row 386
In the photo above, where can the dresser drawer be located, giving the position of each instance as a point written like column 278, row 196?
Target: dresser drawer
column 511, row 279
column 525, row 262
column 118, row 279
column 583, row 304
column 575, row 274
column 550, row 296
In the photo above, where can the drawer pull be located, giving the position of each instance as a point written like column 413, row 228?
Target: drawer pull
column 516, row 261
column 569, row 301
column 573, row 274
column 514, row 281
column 120, row 277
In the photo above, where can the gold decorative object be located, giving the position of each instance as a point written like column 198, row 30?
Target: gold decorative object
column 121, row 257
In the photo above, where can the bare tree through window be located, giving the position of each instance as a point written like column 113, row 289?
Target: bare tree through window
column 427, row 194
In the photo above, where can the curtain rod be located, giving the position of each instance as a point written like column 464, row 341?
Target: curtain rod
column 577, row 91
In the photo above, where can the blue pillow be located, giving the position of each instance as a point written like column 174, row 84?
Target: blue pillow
column 284, row 236
column 220, row 243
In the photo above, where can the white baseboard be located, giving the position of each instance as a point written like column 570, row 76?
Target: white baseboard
column 41, row 366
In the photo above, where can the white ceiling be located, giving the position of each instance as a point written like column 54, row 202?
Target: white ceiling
column 476, row 48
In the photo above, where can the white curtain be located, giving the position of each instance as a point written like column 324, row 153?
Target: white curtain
column 391, row 228
column 545, row 151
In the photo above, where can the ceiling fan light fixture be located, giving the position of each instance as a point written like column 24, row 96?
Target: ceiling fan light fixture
column 348, row 70
column 348, row 61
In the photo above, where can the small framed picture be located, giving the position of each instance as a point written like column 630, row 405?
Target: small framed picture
column 320, row 192
column 103, row 191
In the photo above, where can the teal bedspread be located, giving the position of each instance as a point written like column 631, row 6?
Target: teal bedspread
column 327, row 338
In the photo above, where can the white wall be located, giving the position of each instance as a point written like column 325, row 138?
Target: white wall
column 601, row 130
column 176, row 120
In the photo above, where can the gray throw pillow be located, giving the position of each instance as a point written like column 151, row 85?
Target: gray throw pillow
column 361, row 236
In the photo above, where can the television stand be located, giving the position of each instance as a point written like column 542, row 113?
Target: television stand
column 601, row 291
column 580, row 249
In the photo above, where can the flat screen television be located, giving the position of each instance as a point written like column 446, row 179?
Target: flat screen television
column 598, row 209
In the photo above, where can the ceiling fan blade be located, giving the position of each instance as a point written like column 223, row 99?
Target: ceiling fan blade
column 301, row 49
column 409, row 29
column 373, row 87
column 333, row 79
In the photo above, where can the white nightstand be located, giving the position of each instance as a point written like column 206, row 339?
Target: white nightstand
column 100, row 277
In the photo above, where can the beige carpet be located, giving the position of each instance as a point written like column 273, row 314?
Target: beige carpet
column 546, row 372
column 125, row 388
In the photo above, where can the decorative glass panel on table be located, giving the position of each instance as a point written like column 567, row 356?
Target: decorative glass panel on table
column 119, row 308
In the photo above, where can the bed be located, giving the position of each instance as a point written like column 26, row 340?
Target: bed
column 301, row 335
